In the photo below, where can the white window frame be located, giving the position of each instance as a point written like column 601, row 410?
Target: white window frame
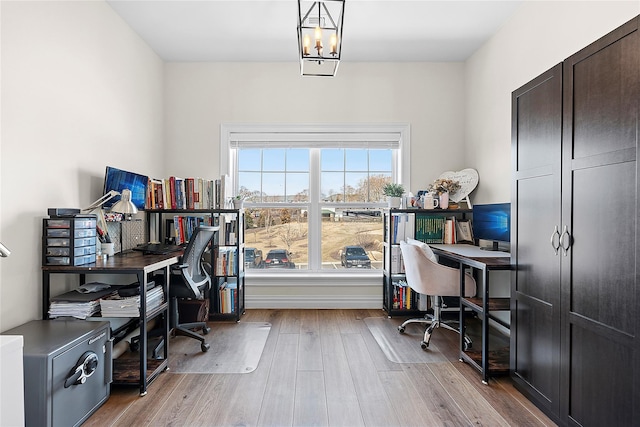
column 396, row 136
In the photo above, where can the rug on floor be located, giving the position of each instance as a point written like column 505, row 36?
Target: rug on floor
column 405, row 347
column 236, row 348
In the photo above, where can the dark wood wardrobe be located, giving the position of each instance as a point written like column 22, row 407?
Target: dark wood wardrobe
column 575, row 293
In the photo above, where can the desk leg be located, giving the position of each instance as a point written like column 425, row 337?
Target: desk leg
column 46, row 294
column 485, row 327
column 142, row 279
column 461, row 312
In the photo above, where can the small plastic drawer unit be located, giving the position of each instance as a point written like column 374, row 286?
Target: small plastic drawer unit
column 69, row 240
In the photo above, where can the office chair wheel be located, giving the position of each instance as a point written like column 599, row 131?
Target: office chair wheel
column 134, row 345
column 467, row 344
column 424, row 345
column 401, row 329
column 205, row 330
column 204, row 347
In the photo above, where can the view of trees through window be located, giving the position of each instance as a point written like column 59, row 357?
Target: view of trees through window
column 313, row 208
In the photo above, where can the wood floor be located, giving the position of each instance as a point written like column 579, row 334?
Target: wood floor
column 324, row 368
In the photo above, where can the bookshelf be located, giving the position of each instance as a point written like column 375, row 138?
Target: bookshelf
column 426, row 225
column 227, row 293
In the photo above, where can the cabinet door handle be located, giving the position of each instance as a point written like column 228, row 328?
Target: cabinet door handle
column 555, row 239
column 567, row 240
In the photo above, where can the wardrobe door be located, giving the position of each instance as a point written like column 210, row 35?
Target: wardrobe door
column 600, row 295
column 536, row 204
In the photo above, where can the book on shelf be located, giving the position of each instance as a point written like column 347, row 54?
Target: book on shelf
column 397, row 263
column 185, row 225
column 228, row 229
column 188, row 193
column 228, row 294
column 449, row 231
column 226, row 263
column 430, row 228
column 401, row 295
column 402, row 226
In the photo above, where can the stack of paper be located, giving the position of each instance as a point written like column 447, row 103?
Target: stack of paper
column 117, row 306
column 79, row 310
column 77, row 304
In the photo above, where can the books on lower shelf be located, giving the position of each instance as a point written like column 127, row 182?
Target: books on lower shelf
column 227, row 293
column 405, row 298
column 117, row 306
column 226, row 261
column 397, row 263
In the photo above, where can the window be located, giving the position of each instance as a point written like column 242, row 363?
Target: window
column 313, row 195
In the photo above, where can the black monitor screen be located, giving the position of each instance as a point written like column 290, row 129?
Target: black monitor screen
column 492, row 222
column 117, row 179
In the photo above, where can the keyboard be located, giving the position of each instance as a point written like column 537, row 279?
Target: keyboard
column 158, row 248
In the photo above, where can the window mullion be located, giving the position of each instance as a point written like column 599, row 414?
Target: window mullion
column 314, row 220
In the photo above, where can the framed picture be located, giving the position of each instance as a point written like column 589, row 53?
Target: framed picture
column 464, row 231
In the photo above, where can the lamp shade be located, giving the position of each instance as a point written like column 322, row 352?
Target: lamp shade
column 125, row 205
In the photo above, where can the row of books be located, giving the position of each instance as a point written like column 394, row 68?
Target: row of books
column 188, row 193
column 226, row 262
column 397, row 263
column 424, row 227
column 228, row 234
column 227, row 296
column 405, row 298
column 402, row 226
column 184, row 226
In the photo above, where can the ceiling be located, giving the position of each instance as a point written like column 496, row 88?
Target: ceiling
column 265, row 30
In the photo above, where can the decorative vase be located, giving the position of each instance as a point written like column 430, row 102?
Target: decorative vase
column 444, row 200
column 394, row 202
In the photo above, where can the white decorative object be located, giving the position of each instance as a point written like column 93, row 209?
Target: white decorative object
column 468, row 179
column 394, row 202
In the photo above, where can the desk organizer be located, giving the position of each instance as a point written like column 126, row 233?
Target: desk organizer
column 69, row 240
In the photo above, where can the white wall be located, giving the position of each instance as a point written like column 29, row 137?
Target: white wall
column 201, row 96
column 540, row 35
column 80, row 91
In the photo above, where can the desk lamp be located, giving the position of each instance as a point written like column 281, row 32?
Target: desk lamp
column 124, row 206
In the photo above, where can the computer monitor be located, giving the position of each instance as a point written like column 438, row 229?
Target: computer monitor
column 118, row 179
column 492, row 222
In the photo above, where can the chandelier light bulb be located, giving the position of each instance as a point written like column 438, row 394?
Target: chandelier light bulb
column 334, row 44
column 306, row 45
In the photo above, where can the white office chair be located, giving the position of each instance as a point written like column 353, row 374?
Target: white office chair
column 424, row 275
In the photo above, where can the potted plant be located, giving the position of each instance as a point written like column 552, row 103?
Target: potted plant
column 394, row 194
column 238, row 201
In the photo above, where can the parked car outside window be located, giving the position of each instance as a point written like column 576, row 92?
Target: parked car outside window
column 355, row 256
column 252, row 258
column 278, row 258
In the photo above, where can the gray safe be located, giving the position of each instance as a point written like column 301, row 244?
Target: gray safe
column 67, row 370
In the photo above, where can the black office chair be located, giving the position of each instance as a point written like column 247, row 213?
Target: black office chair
column 190, row 280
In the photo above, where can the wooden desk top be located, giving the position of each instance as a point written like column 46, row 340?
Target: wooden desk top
column 120, row 262
column 474, row 256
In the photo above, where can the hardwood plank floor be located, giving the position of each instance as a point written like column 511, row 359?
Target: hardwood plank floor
column 324, row 368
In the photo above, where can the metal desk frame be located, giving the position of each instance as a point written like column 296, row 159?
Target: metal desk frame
column 484, row 262
column 125, row 263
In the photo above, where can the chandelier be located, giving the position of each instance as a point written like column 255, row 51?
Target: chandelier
column 320, row 36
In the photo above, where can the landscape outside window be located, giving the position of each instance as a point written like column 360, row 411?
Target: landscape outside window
column 294, row 194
